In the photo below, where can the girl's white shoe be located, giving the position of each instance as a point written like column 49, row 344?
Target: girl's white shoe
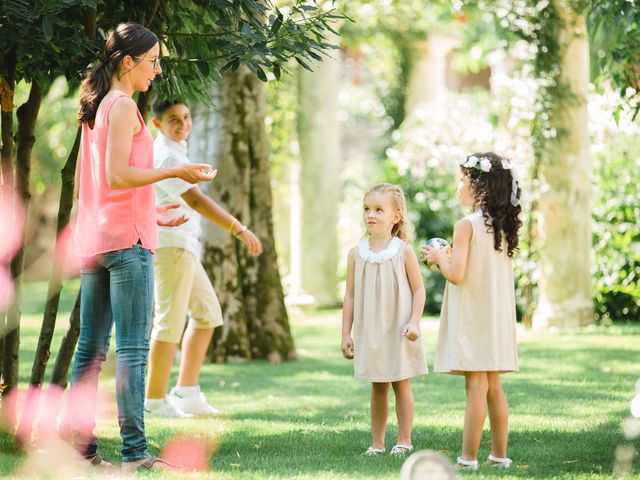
column 463, row 464
column 498, row 462
column 372, row 452
column 400, row 450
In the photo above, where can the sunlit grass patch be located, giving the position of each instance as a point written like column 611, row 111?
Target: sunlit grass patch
column 309, row 419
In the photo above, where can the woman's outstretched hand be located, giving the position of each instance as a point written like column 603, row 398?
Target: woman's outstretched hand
column 197, row 172
column 164, row 218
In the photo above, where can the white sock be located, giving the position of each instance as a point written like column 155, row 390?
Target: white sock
column 187, row 391
column 153, row 402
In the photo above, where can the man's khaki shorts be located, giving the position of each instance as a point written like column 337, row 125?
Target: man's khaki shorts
column 182, row 288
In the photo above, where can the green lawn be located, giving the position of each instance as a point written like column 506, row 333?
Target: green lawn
column 308, row 419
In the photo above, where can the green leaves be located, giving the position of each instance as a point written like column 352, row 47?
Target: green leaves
column 225, row 35
column 203, row 38
column 303, row 63
column 232, row 64
column 614, row 28
column 260, row 73
column 48, row 37
column 277, row 23
column 47, row 27
column 616, row 272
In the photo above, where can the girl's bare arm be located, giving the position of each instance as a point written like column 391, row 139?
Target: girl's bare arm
column 454, row 268
column 347, row 309
column 415, row 282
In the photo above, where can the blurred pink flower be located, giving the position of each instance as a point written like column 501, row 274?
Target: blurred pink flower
column 66, row 259
column 189, row 453
column 11, row 224
column 6, row 290
column 11, row 228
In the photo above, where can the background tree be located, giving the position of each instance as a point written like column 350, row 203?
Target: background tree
column 565, row 293
column 320, row 158
column 233, row 139
column 560, row 172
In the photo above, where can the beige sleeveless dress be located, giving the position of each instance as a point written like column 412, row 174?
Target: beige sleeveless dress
column 381, row 310
column 478, row 318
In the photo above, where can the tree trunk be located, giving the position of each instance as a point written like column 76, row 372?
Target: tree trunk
column 43, row 349
column 27, row 114
column 9, row 76
column 233, row 138
column 9, row 62
column 320, row 152
column 67, row 347
column 565, row 216
column 427, row 75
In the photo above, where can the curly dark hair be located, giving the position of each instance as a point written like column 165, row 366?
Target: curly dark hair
column 492, row 190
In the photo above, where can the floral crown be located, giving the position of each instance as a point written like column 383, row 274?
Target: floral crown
column 484, row 164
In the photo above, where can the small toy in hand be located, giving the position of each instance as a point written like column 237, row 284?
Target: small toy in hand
column 438, row 243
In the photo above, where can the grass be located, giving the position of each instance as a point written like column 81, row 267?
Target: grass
column 308, row 419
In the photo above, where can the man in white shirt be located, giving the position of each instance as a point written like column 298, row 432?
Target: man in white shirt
column 182, row 287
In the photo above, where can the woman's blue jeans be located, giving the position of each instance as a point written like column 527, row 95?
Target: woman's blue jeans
column 116, row 288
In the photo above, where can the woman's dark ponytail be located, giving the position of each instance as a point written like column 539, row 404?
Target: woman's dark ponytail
column 92, row 91
column 127, row 39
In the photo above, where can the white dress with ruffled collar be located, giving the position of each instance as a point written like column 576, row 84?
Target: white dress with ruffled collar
column 382, row 308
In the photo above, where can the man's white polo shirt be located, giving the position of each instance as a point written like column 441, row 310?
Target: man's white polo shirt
column 168, row 153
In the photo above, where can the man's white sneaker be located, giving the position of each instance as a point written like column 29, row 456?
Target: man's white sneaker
column 195, row 403
column 162, row 408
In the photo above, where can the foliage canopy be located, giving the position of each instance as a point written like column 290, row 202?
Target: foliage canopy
column 201, row 38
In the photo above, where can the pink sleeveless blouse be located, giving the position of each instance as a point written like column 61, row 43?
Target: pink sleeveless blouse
column 110, row 219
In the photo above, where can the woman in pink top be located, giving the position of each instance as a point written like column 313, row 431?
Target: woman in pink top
column 116, row 234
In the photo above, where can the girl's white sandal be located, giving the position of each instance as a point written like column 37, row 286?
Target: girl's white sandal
column 400, row 449
column 372, row 452
column 497, row 462
column 463, row 464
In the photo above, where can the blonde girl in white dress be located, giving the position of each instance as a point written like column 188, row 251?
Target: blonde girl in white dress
column 383, row 304
column 477, row 335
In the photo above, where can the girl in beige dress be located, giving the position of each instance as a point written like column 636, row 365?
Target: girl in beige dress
column 383, row 304
column 477, row 336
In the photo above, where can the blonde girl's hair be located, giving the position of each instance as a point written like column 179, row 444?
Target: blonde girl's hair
column 400, row 229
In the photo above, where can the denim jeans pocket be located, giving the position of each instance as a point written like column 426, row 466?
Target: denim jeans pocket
column 109, row 259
